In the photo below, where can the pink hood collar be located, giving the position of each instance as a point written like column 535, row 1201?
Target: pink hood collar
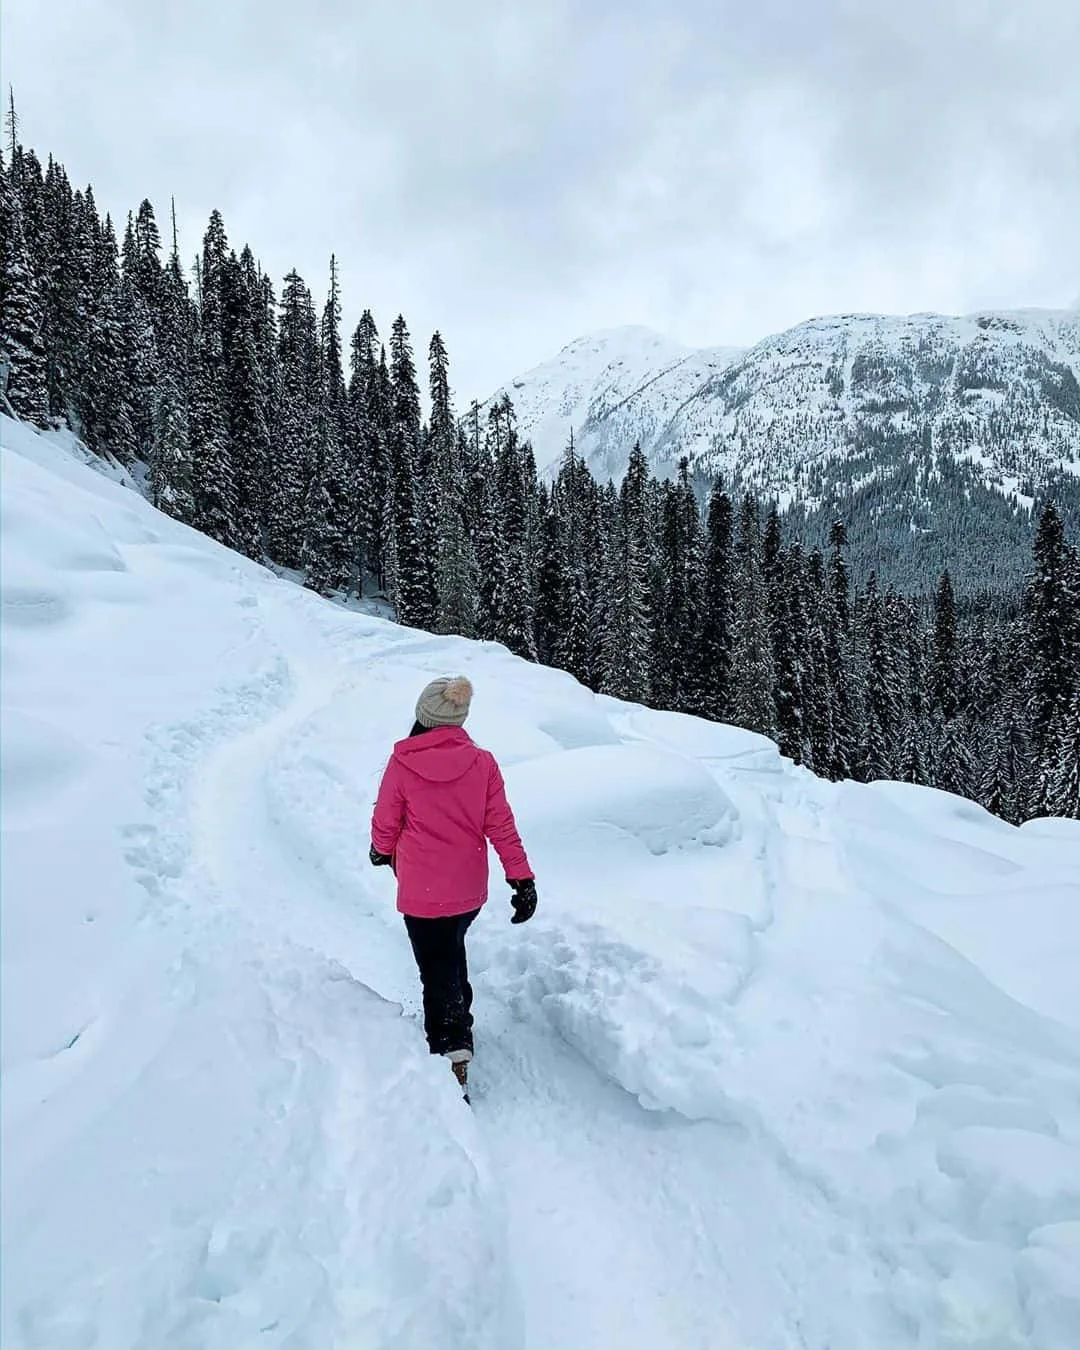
column 441, row 755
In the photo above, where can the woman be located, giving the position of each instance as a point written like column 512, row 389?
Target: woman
column 440, row 800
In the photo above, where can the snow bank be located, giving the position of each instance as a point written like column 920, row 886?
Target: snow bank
column 777, row 1062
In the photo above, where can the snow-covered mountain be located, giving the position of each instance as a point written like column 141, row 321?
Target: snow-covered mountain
column 610, row 389
column 927, row 417
column 778, row 1061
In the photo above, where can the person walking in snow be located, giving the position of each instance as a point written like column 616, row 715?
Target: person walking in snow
column 440, row 801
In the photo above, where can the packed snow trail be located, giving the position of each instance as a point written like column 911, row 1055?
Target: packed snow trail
column 777, row 1063
column 617, row 1218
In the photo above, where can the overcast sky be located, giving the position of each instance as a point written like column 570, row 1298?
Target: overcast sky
column 519, row 173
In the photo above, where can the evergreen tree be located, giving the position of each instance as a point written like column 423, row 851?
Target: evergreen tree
column 1062, row 795
column 456, row 597
column 67, row 277
column 141, row 370
column 790, row 628
column 213, row 481
column 677, row 670
column 171, row 488
column 245, row 398
column 1053, row 628
column 293, row 447
column 955, row 766
column 753, row 662
column 408, row 579
column 570, row 500
column 331, row 540
column 22, row 315
column 717, row 623
column 839, row 658
column 818, row 692
column 945, row 671
column 1001, row 785
column 549, row 620
column 366, row 441
column 629, row 618
column 882, row 695
column 514, row 601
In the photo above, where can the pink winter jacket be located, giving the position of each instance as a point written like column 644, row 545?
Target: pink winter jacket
column 440, row 800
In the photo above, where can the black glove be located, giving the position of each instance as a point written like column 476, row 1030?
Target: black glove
column 524, row 900
column 380, row 859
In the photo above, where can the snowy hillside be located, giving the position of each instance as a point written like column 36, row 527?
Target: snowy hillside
column 931, row 426
column 778, row 1062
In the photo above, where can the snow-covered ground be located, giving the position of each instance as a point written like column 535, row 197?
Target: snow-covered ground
column 778, row 1063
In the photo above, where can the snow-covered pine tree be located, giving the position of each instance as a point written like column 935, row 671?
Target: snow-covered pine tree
column 366, row 441
column 293, row 443
column 570, row 500
column 817, row 681
column 139, row 345
column 629, row 620
column 515, row 602
column 790, row 628
column 171, row 457
column 456, row 582
column 954, row 765
column 1052, row 612
column 144, row 264
column 754, row 675
column 408, row 579
column 840, row 656
column 945, row 665
column 482, row 514
column 331, row 543
column 245, row 398
column 717, row 619
column 213, row 482
column 911, row 765
column 67, row 288
column 882, row 695
column 1062, row 794
column 1001, row 785
column 677, row 652
column 549, row 624
column 22, row 314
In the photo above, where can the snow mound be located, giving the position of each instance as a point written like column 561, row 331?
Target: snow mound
column 777, row 1062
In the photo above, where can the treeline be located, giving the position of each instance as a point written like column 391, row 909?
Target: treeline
column 258, row 430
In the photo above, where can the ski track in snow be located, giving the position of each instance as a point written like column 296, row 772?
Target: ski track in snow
column 742, row 1082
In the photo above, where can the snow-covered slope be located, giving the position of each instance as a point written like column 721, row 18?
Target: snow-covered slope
column 777, row 1063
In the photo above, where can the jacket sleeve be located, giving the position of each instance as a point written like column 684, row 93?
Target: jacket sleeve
column 388, row 818
column 500, row 828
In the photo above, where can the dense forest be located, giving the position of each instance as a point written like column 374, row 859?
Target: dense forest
column 258, row 429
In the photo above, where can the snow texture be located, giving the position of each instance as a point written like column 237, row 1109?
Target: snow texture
column 778, row 1063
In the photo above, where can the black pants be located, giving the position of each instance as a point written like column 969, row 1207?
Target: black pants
column 439, row 948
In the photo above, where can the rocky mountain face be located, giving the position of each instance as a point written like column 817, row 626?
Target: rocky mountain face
column 933, row 437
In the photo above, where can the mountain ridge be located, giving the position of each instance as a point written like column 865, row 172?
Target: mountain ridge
column 949, row 427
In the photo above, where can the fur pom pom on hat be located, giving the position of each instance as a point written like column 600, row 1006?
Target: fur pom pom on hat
column 445, row 702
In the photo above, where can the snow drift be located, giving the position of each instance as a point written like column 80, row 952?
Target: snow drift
column 778, row 1062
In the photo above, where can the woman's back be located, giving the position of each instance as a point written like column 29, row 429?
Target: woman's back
column 442, row 798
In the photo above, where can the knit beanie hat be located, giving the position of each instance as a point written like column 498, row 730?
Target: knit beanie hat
column 444, row 702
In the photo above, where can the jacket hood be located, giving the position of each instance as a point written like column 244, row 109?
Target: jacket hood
column 441, row 755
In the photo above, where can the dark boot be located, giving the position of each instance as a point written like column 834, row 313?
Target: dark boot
column 461, row 1073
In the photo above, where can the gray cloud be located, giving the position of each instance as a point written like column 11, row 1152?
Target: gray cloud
column 516, row 174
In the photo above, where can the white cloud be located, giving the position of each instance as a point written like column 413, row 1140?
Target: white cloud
column 516, row 173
